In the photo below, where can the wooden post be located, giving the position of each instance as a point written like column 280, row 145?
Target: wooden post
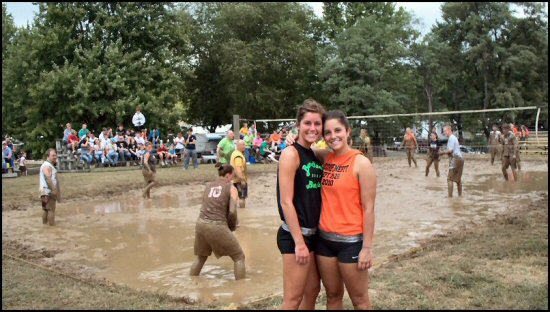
column 236, row 126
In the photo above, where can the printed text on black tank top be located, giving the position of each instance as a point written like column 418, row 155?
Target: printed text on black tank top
column 313, row 175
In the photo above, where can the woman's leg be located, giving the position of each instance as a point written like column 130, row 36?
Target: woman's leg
column 313, row 287
column 295, row 277
column 357, row 285
column 332, row 280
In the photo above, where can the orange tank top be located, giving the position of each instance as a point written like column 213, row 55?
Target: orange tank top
column 341, row 212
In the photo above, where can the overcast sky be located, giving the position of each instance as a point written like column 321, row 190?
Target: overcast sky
column 427, row 12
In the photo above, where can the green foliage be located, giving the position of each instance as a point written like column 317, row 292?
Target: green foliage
column 203, row 62
column 94, row 63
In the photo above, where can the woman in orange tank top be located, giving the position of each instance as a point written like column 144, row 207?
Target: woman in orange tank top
column 346, row 227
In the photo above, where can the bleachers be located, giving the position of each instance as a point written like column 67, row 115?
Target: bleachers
column 536, row 144
column 66, row 162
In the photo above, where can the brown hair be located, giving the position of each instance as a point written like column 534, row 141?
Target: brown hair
column 224, row 169
column 310, row 106
column 49, row 151
column 341, row 117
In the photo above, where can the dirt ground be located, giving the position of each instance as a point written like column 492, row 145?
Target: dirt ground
column 110, row 233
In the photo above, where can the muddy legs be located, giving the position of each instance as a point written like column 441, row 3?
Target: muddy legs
column 196, row 267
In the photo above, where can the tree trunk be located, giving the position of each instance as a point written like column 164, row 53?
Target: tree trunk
column 429, row 95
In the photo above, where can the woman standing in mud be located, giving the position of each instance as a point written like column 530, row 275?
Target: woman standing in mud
column 346, row 227
column 299, row 203
column 149, row 170
column 217, row 219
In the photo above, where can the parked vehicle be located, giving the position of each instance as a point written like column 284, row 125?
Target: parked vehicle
column 207, row 143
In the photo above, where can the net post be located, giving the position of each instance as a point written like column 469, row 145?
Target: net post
column 537, row 125
column 236, row 125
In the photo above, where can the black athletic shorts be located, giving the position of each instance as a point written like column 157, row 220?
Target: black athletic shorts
column 346, row 252
column 243, row 190
column 286, row 243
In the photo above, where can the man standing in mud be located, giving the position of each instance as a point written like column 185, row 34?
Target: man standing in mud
column 494, row 143
column 241, row 178
column 456, row 162
column 509, row 151
column 411, row 145
column 49, row 187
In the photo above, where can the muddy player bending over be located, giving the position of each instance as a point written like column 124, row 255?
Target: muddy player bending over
column 509, row 151
column 49, row 187
column 217, row 219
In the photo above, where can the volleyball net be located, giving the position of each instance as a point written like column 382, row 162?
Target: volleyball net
column 472, row 127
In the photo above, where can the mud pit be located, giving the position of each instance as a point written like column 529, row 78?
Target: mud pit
column 148, row 244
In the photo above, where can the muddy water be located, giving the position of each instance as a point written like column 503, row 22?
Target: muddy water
column 148, row 244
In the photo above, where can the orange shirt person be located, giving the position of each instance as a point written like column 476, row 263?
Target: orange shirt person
column 275, row 138
column 346, row 227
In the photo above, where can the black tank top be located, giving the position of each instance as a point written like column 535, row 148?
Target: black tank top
column 307, row 188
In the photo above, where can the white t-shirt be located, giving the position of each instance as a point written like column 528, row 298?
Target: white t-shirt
column 453, row 145
column 179, row 142
column 22, row 161
column 140, row 140
column 138, row 119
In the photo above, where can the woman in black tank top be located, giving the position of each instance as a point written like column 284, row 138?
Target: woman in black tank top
column 299, row 203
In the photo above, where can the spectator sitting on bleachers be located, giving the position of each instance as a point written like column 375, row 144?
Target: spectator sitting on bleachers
column 85, row 150
column 84, row 131
column 110, row 151
column 122, row 146
column 154, row 137
column 173, row 156
column 68, row 130
column 98, row 152
column 139, row 139
column 72, row 144
column 164, row 155
column 133, row 149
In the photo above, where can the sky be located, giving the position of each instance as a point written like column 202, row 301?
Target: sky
column 427, row 12
column 23, row 12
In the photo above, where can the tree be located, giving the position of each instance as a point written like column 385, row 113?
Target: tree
column 94, row 63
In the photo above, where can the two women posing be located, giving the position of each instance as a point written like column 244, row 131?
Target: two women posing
column 326, row 202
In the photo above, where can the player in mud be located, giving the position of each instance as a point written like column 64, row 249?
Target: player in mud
column 149, row 170
column 217, row 219
column 456, row 162
column 366, row 146
column 509, row 151
column 299, row 202
column 494, row 143
column 240, row 179
column 409, row 141
column 50, row 191
column 433, row 154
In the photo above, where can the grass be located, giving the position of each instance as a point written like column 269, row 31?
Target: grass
column 22, row 192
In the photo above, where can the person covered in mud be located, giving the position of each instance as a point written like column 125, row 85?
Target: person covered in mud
column 433, row 154
column 410, row 143
column 299, row 177
column 149, row 170
column 494, row 143
column 509, row 151
column 346, row 226
column 217, row 219
column 366, row 146
column 50, row 191
column 456, row 162
column 240, row 180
